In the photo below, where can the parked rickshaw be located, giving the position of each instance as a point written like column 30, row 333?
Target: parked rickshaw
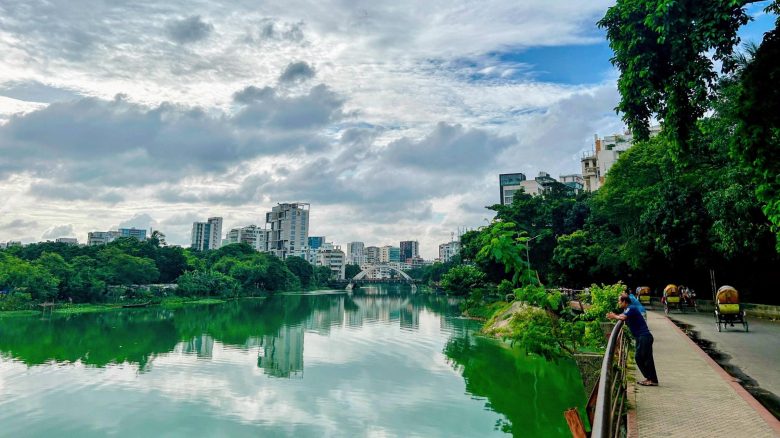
column 727, row 308
column 643, row 294
column 671, row 298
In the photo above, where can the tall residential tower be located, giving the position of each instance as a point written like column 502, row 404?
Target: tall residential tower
column 289, row 231
column 207, row 235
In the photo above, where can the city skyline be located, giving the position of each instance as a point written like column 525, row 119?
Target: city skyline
column 391, row 119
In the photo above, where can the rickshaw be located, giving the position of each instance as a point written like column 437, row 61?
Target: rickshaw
column 643, row 294
column 728, row 309
column 672, row 298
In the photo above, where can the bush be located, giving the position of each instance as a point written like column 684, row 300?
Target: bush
column 16, row 301
column 539, row 296
column 603, row 299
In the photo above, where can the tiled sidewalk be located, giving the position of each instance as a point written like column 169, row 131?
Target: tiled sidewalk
column 696, row 398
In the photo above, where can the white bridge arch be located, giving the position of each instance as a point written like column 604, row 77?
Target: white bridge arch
column 362, row 274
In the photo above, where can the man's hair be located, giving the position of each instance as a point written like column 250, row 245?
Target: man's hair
column 624, row 298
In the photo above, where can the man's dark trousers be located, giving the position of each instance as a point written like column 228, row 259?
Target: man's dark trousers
column 644, row 357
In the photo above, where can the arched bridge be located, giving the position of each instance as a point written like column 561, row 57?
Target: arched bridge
column 364, row 277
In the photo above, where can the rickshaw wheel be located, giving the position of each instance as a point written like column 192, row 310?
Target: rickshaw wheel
column 745, row 323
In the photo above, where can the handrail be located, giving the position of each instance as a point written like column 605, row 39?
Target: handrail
column 611, row 394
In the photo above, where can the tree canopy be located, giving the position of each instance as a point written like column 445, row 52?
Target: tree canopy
column 667, row 50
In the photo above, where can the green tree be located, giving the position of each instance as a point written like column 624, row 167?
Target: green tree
column 351, row 270
column 207, row 283
column 460, row 280
column 302, row 269
column 323, row 275
column 20, row 276
column 665, row 51
column 502, row 243
column 86, row 284
column 119, row 268
column 574, row 259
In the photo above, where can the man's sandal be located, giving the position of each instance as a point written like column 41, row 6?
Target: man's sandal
column 647, row 383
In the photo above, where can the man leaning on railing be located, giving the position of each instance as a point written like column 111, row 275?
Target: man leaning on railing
column 644, row 339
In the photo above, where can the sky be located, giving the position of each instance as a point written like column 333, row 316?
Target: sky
column 392, row 119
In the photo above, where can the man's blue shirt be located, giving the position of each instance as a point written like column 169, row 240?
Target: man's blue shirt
column 636, row 322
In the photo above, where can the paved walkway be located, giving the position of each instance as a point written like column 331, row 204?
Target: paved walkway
column 756, row 353
column 696, row 397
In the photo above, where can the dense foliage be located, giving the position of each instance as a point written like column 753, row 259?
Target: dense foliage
column 59, row 272
column 666, row 52
column 661, row 217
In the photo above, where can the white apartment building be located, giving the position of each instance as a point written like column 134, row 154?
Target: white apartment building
column 448, row 250
column 288, row 233
column 67, row 240
column 333, row 257
column 101, row 237
column 207, row 235
column 252, row 235
column 356, row 253
column 607, row 151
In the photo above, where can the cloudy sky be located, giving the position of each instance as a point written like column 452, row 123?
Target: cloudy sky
column 392, row 118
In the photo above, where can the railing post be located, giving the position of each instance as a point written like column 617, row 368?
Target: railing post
column 604, row 420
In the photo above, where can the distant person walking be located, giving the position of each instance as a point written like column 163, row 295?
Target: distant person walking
column 635, row 302
column 644, row 340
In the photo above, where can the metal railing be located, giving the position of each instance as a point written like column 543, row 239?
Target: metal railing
column 610, row 413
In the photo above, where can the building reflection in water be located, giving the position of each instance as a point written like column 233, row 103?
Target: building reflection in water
column 281, row 354
column 202, row 346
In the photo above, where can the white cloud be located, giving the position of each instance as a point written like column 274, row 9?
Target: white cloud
column 192, row 109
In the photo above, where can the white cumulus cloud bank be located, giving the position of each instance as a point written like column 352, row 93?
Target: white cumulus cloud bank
column 165, row 113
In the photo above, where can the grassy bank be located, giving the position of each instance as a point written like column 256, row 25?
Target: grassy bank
column 76, row 309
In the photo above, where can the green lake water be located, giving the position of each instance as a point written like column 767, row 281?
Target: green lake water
column 377, row 362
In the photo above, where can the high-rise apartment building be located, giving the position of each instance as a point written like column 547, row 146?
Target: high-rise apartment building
column 333, row 257
column 356, row 253
column 251, row 235
column 289, row 230
column 409, row 249
column 389, row 254
column 373, row 255
column 448, row 250
column 606, row 152
column 207, row 235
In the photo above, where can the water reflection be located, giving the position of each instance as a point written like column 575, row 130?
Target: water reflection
column 277, row 325
column 377, row 361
